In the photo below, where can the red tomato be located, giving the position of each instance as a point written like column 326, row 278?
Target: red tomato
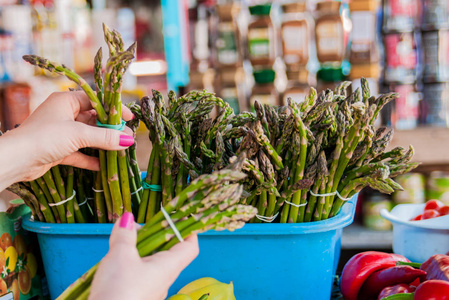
column 433, row 204
column 417, row 218
column 444, row 210
column 429, row 214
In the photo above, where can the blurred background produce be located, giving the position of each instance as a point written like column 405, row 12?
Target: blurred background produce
column 248, row 50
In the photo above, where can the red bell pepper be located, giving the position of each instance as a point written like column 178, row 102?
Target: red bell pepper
column 378, row 280
column 361, row 266
column 396, row 289
column 432, row 290
column 437, row 267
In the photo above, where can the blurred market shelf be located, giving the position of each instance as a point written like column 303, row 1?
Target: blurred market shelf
column 357, row 236
column 430, row 143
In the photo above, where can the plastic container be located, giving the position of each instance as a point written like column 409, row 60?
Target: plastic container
column 417, row 240
column 265, row 261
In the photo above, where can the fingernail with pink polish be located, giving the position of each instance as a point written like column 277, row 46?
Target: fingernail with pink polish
column 126, row 141
column 127, row 221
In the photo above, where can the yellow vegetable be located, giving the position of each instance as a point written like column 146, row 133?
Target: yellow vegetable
column 216, row 289
column 180, row 297
column 199, row 283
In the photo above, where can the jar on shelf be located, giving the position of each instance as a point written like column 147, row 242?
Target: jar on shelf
column 228, row 36
column 295, row 35
column 414, row 185
column 232, row 89
column 329, row 78
column 297, row 86
column 372, row 205
column 261, row 36
column 264, row 90
column 438, row 186
column 435, row 104
column 329, row 33
column 436, row 55
column 401, row 57
column 363, row 35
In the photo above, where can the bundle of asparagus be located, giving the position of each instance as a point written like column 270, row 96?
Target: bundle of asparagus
column 303, row 160
column 118, row 178
column 306, row 159
column 59, row 196
column 210, row 202
column 186, row 144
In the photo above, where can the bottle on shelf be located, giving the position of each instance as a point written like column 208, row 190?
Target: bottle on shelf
column 261, row 36
column 228, row 42
column 264, row 90
column 363, row 35
column 232, row 88
column 329, row 78
column 295, row 35
column 329, row 33
column 297, row 86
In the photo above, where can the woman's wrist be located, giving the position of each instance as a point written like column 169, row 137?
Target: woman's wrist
column 13, row 158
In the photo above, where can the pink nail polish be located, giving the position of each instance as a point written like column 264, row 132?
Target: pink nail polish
column 133, row 117
column 127, row 221
column 126, row 141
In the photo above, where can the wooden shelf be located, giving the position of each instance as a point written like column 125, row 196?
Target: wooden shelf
column 431, row 144
column 356, row 236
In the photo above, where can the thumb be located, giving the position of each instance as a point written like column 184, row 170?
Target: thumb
column 124, row 234
column 102, row 138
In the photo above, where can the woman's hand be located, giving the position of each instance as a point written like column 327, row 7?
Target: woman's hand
column 123, row 274
column 53, row 134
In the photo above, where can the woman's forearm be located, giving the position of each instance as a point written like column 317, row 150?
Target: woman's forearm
column 13, row 158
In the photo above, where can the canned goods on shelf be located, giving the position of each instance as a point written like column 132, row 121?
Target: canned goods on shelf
column 372, row 206
column 400, row 15
column 401, row 57
column 435, row 14
column 414, row 185
column 403, row 113
column 435, row 105
column 436, row 55
column 438, row 186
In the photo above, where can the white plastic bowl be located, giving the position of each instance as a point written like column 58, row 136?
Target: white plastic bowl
column 417, row 240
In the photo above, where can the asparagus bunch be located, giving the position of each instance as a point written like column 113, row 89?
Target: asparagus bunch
column 58, row 196
column 112, row 183
column 304, row 160
column 186, row 143
column 210, row 202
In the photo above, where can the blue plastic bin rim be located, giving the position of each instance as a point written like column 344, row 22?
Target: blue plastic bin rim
column 343, row 219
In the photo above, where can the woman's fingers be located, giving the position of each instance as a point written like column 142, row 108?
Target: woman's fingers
column 87, row 117
column 83, row 161
column 86, row 136
column 126, row 113
column 177, row 258
column 79, row 103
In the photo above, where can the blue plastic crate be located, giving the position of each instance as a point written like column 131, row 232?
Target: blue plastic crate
column 265, row 261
